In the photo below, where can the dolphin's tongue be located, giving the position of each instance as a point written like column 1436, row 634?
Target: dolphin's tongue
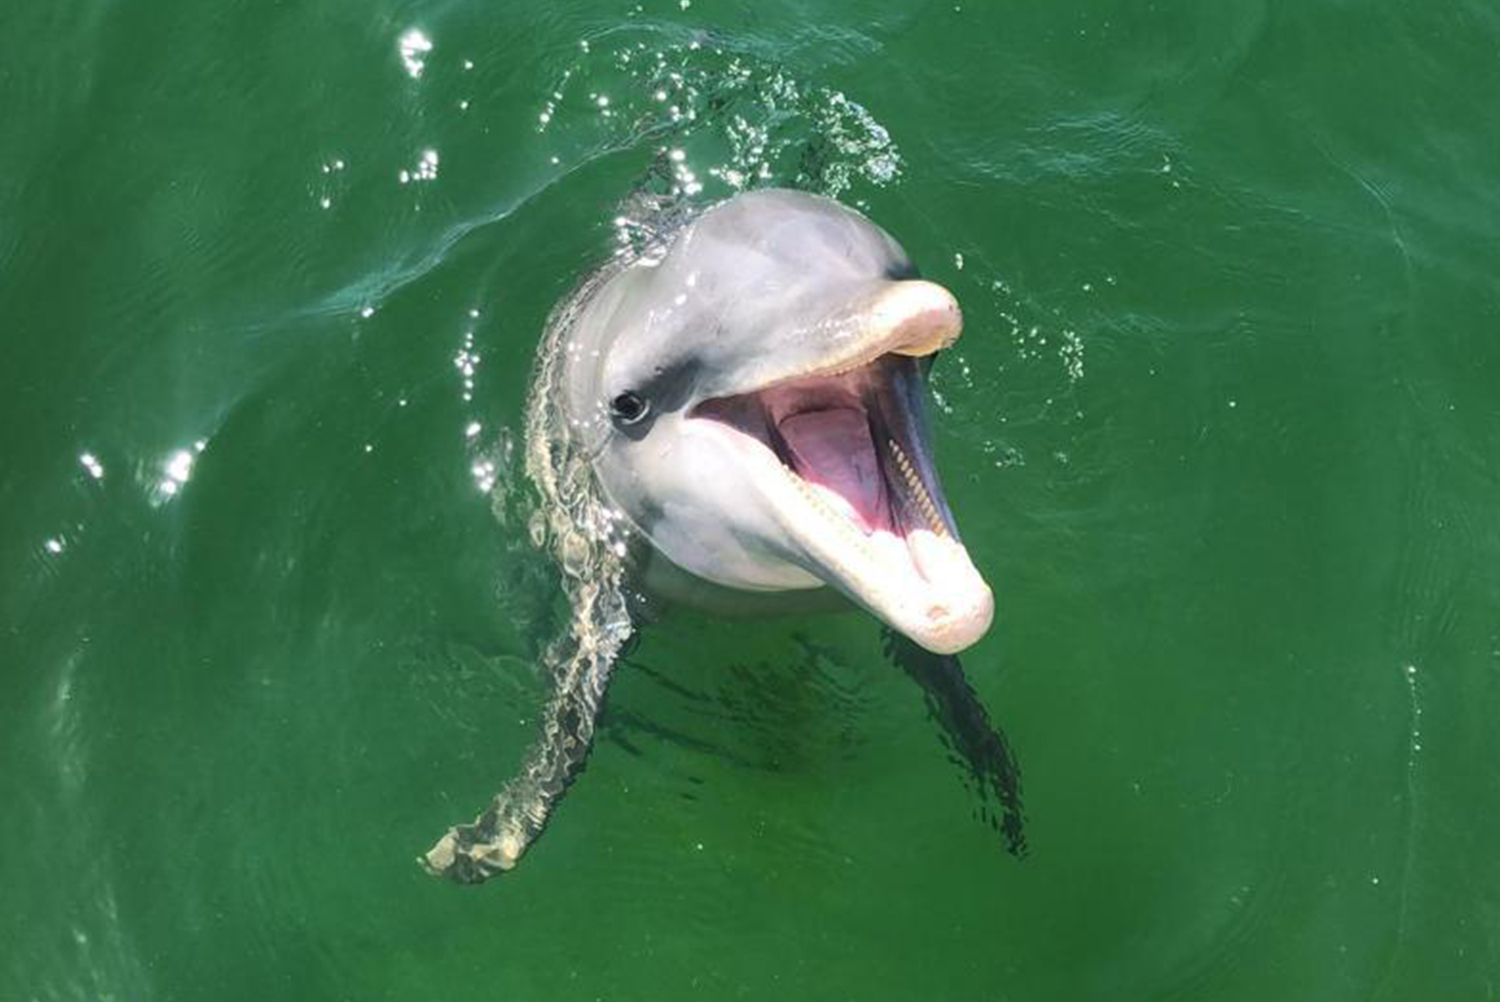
column 832, row 449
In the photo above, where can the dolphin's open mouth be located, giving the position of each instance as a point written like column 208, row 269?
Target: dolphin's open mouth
column 841, row 436
column 846, row 465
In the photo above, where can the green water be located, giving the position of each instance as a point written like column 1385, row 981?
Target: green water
column 1223, row 433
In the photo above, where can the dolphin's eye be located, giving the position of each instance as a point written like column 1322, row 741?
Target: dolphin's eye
column 629, row 407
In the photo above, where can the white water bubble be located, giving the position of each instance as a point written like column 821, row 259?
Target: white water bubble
column 427, row 166
column 425, row 170
column 177, row 471
column 414, row 46
column 180, row 466
column 484, row 475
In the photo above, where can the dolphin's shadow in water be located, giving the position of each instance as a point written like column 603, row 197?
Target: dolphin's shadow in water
column 974, row 742
column 780, row 714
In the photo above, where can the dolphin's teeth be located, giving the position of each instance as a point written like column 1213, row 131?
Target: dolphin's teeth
column 924, row 499
column 925, row 505
column 849, row 529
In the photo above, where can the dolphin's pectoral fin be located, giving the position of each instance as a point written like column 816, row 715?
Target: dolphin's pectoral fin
column 495, row 841
column 968, row 733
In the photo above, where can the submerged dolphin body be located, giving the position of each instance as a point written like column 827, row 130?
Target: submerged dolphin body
column 736, row 417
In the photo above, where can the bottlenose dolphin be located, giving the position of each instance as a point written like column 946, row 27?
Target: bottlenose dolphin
column 734, row 417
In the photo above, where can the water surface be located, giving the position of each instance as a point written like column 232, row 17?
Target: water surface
column 1223, row 432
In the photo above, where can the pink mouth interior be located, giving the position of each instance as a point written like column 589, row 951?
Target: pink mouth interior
column 832, row 449
column 825, row 425
column 835, row 433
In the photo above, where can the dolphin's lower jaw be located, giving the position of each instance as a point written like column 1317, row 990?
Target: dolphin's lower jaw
column 843, row 465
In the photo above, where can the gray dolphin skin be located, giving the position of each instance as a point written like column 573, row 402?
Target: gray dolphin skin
column 734, row 417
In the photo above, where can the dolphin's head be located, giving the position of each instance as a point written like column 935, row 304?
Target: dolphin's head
column 754, row 402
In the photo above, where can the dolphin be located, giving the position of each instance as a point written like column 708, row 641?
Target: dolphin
column 735, row 418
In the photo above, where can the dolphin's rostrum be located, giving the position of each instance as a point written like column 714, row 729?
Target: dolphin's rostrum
column 735, row 416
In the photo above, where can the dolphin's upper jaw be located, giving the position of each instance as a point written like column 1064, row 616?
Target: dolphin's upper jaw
column 842, row 461
column 911, row 318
